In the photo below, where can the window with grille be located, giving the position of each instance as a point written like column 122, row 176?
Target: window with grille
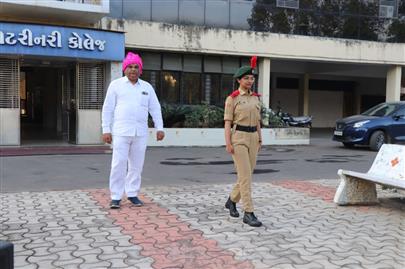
column 288, row 3
column 388, row 9
column 91, row 88
column 9, row 83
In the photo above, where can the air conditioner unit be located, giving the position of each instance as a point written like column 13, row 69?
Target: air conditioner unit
column 386, row 11
column 288, row 3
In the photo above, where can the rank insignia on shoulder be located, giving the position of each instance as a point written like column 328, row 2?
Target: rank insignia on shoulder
column 145, row 93
column 234, row 93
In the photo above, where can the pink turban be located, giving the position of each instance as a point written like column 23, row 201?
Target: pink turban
column 132, row 59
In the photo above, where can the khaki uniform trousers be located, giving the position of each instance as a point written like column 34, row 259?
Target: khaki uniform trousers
column 246, row 146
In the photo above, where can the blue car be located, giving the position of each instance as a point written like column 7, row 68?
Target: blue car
column 384, row 123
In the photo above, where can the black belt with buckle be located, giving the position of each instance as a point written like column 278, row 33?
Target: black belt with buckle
column 249, row 129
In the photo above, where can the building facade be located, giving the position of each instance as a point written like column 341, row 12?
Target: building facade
column 327, row 59
column 54, row 66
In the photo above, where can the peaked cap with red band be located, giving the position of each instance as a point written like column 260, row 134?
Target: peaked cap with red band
column 246, row 69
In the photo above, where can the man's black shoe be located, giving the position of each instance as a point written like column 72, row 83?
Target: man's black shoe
column 250, row 219
column 135, row 201
column 115, row 204
column 232, row 208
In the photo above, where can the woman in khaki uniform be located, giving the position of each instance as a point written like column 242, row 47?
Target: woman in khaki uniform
column 243, row 140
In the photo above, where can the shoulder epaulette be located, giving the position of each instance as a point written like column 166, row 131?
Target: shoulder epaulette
column 256, row 94
column 234, row 94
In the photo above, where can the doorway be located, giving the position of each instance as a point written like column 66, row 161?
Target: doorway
column 47, row 105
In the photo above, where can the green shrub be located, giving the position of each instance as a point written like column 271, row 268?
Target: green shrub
column 205, row 116
column 174, row 115
column 191, row 116
column 269, row 118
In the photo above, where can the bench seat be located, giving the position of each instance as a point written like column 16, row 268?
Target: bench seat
column 360, row 188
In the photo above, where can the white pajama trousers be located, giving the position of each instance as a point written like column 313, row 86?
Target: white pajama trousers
column 126, row 165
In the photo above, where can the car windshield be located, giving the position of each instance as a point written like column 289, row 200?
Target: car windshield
column 381, row 110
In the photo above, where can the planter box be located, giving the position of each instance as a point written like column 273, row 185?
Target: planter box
column 213, row 137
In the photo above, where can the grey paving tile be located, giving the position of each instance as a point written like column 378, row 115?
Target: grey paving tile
column 46, row 230
column 69, row 230
column 297, row 227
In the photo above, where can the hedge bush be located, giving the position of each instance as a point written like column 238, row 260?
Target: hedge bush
column 205, row 116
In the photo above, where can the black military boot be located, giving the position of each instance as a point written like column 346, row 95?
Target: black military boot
column 250, row 219
column 232, row 208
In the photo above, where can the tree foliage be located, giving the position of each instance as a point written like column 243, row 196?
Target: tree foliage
column 355, row 19
column 330, row 24
column 396, row 31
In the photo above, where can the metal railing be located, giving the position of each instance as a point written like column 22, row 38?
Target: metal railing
column 9, row 83
column 91, row 78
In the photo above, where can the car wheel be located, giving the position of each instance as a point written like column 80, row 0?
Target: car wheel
column 348, row 145
column 377, row 139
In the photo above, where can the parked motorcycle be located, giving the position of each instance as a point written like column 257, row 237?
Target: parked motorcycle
column 289, row 120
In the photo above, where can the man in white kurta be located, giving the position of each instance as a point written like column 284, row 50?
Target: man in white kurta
column 128, row 102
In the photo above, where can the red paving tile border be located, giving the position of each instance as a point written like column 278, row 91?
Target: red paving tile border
column 312, row 189
column 171, row 243
column 325, row 193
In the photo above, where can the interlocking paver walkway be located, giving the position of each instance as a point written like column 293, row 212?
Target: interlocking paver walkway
column 187, row 227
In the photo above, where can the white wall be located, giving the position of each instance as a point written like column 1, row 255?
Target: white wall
column 288, row 100
column 325, row 107
column 9, row 126
column 169, row 37
column 89, row 126
column 102, row 6
column 213, row 137
column 113, row 71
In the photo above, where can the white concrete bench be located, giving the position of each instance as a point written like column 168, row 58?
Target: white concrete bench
column 360, row 188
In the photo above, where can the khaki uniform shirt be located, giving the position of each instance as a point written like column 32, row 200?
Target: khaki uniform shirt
column 243, row 109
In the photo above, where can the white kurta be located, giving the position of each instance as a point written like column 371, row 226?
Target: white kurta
column 125, row 115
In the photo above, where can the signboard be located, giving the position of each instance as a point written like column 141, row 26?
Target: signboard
column 57, row 41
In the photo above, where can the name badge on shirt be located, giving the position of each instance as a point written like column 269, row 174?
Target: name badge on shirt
column 145, row 93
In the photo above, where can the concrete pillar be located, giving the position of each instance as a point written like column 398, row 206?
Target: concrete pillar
column 113, row 71
column 304, row 95
column 264, row 80
column 393, row 86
